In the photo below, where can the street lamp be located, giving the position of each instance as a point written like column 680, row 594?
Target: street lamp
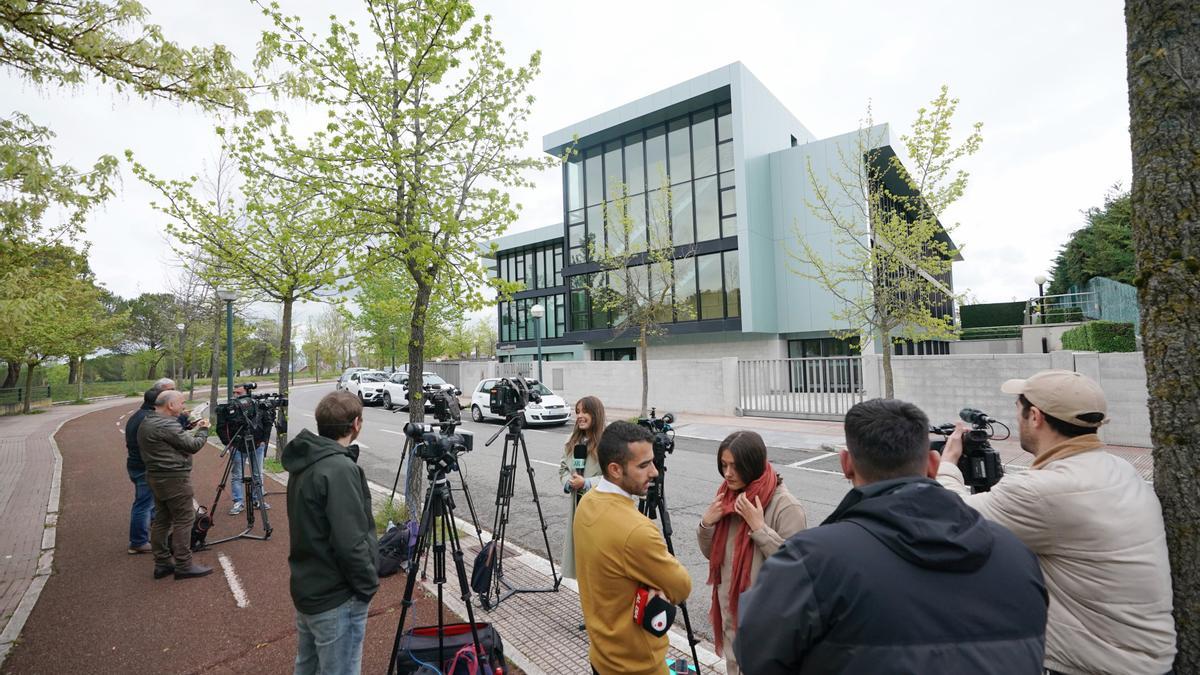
column 178, row 366
column 227, row 296
column 538, row 312
column 392, row 330
column 1040, row 280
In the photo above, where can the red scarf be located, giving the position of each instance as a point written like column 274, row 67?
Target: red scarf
column 743, row 549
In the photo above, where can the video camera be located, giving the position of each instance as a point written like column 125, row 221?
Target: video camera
column 256, row 413
column 980, row 463
column 445, row 406
column 664, row 443
column 439, row 445
column 510, row 395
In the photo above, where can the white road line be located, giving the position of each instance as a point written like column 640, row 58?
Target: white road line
column 808, row 468
column 389, row 431
column 541, row 462
column 810, row 460
column 235, row 584
column 308, row 415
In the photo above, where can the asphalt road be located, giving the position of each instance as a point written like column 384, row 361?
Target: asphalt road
column 691, row 482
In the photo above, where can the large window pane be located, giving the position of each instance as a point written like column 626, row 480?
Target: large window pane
column 728, row 202
column 733, row 292
column 635, row 167
column 575, row 229
column 574, row 183
column 594, row 243
column 685, row 289
column 660, row 291
column 637, row 222
column 682, row 227
column 728, row 179
column 729, row 226
column 656, row 157
column 594, row 173
column 659, row 219
column 617, row 282
column 678, row 145
column 712, row 300
column 725, row 156
column 724, row 122
column 708, row 225
column 599, row 317
column 530, row 271
column 579, row 303
column 704, row 140
column 614, row 227
column 558, row 265
column 520, row 320
column 613, row 176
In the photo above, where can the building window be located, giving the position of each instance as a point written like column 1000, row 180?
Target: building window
column 615, row 354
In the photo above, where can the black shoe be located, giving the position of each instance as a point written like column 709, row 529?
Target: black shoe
column 192, row 571
column 161, row 571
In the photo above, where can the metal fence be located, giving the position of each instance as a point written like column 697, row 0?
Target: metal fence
column 12, row 400
column 515, row 368
column 821, row 388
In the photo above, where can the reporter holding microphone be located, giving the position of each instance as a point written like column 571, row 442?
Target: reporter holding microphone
column 579, row 470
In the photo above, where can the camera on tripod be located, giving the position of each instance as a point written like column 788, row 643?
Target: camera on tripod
column 664, row 443
column 439, row 445
column 444, row 405
column 980, row 463
column 510, row 395
column 254, row 412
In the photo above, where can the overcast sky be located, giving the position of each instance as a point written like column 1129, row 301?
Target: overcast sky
column 1047, row 79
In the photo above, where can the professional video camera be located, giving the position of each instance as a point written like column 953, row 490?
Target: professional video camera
column 444, row 403
column 980, row 463
column 510, row 395
column 439, row 445
column 256, row 413
column 664, row 443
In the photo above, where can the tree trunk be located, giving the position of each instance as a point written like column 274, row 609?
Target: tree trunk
column 414, row 483
column 152, row 374
column 28, row 385
column 285, row 361
column 889, row 389
column 215, row 363
column 79, row 379
column 12, row 376
column 645, row 370
column 1163, row 61
column 73, row 364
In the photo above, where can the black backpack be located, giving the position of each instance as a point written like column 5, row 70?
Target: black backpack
column 395, row 547
column 484, row 567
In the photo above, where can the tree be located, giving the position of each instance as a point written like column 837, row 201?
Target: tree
column 1164, row 83
column 151, row 325
column 483, row 338
column 1102, row 248
column 892, row 254
column 86, row 323
column 636, row 282
column 425, row 136
column 285, row 243
column 65, row 43
column 385, row 300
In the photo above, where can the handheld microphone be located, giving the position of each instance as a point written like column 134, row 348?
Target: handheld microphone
column 654, row 614
column 580, row 458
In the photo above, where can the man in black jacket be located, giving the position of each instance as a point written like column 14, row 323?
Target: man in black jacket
column 333, row 547
column 142, row 511
column 901, row 578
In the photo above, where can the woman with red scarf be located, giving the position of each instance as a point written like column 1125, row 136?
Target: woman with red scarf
column 749, row 520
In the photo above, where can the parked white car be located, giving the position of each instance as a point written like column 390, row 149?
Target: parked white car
column 395, row 393
column 368, row 385
column 343, row 382
column 552, row 409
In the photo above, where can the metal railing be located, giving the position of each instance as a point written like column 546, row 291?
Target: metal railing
column 1062, row 308
column 821, row 388
column 12, row 400
column 516, row 368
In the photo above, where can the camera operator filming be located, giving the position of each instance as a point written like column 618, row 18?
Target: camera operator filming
column 1094, row 524
column 262, row 434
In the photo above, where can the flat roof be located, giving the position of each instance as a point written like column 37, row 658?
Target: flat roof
column 538, row 235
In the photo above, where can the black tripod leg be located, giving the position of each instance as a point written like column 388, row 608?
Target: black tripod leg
column 256, row 483
column 666, row 521
column 466, row 490
column 541, row 517
column 396, row 483
column 414, row 562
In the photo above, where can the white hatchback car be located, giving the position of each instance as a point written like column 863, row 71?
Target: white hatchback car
column 395, row 390
column 343, row 382
column 368, row 385
column 552, row 409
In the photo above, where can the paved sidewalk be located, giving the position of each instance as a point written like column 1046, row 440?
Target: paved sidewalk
column 30, row 466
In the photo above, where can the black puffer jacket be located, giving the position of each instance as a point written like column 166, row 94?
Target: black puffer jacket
column 902, row 578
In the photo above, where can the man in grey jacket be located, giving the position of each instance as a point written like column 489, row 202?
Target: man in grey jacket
column 167, row 452
column 1094, row 524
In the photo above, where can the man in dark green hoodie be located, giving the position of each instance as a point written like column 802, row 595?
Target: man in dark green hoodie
column 333, row 547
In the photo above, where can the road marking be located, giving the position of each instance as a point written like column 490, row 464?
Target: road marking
column 810, row 460
column 235, row 584
column 808, row 468
column 546, row 463
column 389, row 431
column 306, row 414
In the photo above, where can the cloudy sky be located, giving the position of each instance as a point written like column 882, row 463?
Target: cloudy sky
column 1047, row 79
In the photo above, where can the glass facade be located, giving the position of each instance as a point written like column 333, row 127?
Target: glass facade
column 517, row 322
column 676, row 180
column 537, row 268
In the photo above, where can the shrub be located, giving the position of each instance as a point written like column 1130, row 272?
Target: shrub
column 992, row 314
column 1101, row 336
column 991, row 333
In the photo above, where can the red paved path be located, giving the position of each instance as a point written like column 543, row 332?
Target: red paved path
column 102, row 611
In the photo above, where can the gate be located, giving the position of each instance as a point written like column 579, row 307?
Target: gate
column 818, row 388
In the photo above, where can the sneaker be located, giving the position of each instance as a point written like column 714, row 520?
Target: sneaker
column 144, row 548
column 238, row 507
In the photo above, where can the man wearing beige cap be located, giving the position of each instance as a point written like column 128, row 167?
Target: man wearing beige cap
column 1094, row 524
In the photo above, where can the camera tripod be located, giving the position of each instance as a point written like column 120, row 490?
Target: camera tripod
column 654, row 505
column 252, row 481
column 437, row 529
column 514, row 441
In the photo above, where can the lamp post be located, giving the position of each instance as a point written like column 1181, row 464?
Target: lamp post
column 228, row 296
column 1040, row 280
column 179, row 358
column 538, row 312
column 392, row 330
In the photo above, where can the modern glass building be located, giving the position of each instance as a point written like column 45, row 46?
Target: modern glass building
column 716, row 170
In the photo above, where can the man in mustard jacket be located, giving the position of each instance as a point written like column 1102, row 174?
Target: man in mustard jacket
column 617, row 551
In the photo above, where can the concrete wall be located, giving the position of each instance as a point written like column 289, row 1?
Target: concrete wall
column 705, row 346
column 1031, row 336
column 943, row 385
column 1005, row 346
column 700, row 386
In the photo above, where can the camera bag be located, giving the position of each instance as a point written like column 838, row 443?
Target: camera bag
column 396, row 546
column 419, row 648
column 484, row 567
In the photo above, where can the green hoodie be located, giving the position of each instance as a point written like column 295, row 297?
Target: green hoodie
column 333, row 550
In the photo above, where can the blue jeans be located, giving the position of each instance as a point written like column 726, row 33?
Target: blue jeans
column 238, row 490
column 142, row 511
column 330, row 643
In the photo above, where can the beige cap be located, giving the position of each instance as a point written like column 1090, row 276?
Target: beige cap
column 1063, row 394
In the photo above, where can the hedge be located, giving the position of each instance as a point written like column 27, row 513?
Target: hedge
column 991, row 333
column 992, row 314
column 1101, row 336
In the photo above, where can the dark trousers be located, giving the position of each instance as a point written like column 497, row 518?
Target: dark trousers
column 142, row 510
column 174, row 513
